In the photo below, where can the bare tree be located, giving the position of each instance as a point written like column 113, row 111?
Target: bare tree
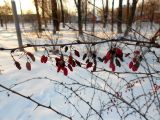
column 5, row 11
column 141, row 14
column 149, row 10
column 43, row 12
column 78, row 5
column 54, row 16
column 62, row 13
column 112, row 21
column 152, row 6
column 131, row 17
column 127, row 12
column 79, row 17
column 106, row 11
column 86, row 12
column 94, row 17
column 38, row 16
column 119, row 17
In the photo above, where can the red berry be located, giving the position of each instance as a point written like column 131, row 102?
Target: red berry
column 78, row 63
column 134, row 60
column 28, row 66
column 58, row 68
column 112, row 65
column 31, row 56
column 119, row 52
column 57, row 59
column 107, row 57
column 73, row 63
column 44, row 59
column 135, row 68
column 137, row 52
column 76, row 53
column 17, row 65
column 89, row 64
column 61, row 63
column 70, row 59
column 70, row 67
column 65, row 71
column 130, row 64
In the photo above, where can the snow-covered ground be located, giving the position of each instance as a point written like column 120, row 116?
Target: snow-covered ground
column 44, row 85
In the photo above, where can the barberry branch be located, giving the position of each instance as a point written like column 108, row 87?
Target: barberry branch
column 36, row 102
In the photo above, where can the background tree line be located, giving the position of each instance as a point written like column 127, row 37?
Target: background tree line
column 57, row 11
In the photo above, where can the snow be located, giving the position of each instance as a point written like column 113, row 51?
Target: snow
column 36, row 83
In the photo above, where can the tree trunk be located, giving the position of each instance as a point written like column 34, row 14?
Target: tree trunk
column 43, row 13
column 85, row 21
column 112, row 16
column 127, row 16
column 119, row 21
column 38, row 16
column 54, row 16
column 62, row 12
column 79, row 17
column 131, row 17
column 1, row 22
column 105, row 14
column 5, row 22
column 94, row 18
column 141, row 14
column 152, row 18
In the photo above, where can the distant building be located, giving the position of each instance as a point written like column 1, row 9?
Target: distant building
column 91, row 17
column 147, row 18
column 157, row 17
column 25, row 18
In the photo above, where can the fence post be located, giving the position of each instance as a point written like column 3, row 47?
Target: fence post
column 16, row 20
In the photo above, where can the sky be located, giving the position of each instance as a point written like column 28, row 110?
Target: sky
column 28, row 4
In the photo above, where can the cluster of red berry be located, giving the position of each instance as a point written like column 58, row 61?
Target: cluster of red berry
column 61, row 63
column 44, row 59
column 29, row 56
column 135, row 63
column 114, row 55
